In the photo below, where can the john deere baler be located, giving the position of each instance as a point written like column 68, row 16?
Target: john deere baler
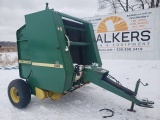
column 57, row 54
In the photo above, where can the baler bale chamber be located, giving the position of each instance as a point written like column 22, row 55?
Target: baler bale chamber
column 57, row 54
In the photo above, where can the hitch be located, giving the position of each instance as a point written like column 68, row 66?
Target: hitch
column 143, row 103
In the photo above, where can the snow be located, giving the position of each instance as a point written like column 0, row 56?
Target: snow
column 85, row 103
column 8, row 60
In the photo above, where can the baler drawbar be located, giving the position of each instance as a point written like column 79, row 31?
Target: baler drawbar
column 57, row 54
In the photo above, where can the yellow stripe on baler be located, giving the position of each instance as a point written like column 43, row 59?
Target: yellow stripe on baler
column 41, row 64
column 25, row 61
column 47, row 65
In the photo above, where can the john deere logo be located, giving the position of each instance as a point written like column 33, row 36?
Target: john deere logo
column 112, row 23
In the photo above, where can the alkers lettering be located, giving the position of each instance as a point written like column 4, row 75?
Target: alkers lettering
column 133, row 36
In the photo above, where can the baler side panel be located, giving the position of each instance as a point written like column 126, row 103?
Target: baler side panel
column 44, row 44
column 92, row 53
column 65, row 54
column 23, row 52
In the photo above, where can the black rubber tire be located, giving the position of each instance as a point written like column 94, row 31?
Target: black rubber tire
column 24, row 93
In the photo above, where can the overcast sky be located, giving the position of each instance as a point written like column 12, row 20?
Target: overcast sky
column 12, row 12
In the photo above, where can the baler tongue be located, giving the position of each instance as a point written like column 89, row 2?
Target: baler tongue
column 101, row 78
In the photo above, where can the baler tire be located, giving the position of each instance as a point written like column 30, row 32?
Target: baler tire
column 19, row 93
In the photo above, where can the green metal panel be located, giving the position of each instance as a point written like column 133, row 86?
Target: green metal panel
column 23, row 52
column 68, row 64
column 45, row 49
column 91, row 51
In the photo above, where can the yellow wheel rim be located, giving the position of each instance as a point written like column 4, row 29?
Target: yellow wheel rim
column 14, row 94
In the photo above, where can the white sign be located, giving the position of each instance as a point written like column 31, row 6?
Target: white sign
column 128, row 31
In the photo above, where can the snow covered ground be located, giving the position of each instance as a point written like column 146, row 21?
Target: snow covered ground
column 85, row 103
column 8, row 60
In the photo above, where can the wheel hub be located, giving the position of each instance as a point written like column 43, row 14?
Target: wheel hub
column 14, row 95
